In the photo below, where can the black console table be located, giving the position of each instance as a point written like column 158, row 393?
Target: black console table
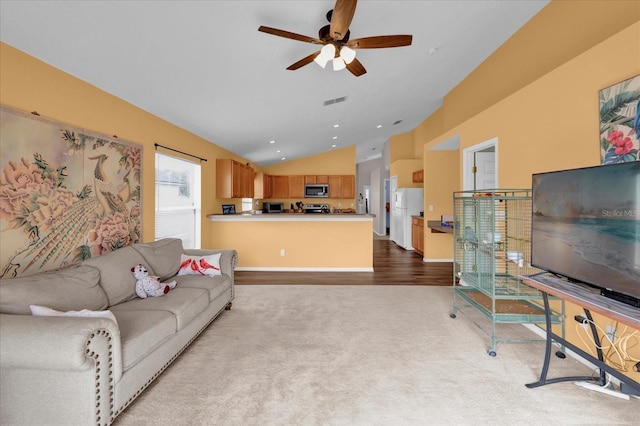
column 591, row 301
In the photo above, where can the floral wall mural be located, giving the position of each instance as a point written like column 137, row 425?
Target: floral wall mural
column 66, row 194
column 620, row 122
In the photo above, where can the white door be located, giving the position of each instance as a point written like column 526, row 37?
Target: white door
column 485, row 170
column 484, row 156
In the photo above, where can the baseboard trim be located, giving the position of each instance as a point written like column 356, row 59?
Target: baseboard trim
column 425, row 260
column 300, row 269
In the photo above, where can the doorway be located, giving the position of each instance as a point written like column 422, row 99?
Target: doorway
column 480, row 166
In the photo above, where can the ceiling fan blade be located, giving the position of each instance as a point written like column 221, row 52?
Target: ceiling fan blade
column 379, row 42
column 288, row 34
column 304, row 61
column 356, row 68
column 341, row 18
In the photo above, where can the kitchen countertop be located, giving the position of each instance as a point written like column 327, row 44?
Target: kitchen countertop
column 297, row 217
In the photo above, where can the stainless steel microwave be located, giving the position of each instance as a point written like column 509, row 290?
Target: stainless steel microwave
column 316, row 190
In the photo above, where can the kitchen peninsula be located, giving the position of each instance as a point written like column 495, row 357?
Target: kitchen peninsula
column 297, row 241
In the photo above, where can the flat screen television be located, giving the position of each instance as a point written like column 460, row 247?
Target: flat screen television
column 586, row 227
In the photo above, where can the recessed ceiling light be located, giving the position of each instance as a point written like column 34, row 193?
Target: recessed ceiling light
column 433, row 51
column 278, row 151
column 283, row 158
column 272, row 141
column 379, row 126
column 335, row 137
column 334, row 145
column 336, row 125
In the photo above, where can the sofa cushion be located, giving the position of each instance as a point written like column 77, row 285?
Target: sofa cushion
column 115, row 273
column 184, row 303
column 141, row 332
column 214, row 285
column 74, row 288
column 163, row 256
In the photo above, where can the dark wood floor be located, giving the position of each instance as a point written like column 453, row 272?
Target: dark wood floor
column 391, row 264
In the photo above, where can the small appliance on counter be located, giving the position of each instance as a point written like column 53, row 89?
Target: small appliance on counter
column 316, row 208
column 272, row 207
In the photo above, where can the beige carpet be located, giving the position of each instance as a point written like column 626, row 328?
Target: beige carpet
column 363, row 355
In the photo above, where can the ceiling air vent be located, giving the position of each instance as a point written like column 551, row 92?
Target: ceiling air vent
column 334, row 101
column 397, row 122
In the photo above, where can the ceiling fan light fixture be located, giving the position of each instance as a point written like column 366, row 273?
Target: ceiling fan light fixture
column 338, row 64
column 347, row 54
column 327, row 53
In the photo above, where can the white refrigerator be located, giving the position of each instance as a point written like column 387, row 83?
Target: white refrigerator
column 406, row 202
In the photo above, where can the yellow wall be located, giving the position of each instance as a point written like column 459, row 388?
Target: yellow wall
column 441, row 178
column 28, row 84
column 329, row 245
column 404, row 169
column 401, row 146
column 336, row 162
column 549, row 124
column 559, row 32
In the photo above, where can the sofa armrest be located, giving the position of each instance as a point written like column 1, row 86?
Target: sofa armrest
column 60, row 362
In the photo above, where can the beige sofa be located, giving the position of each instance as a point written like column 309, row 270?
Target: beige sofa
column 62, row 370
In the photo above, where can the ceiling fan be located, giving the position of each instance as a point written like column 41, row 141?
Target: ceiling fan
column 334, row 38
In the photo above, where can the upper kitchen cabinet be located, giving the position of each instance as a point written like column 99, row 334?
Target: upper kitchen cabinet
column 262, row 186
column 296, row 186
column 348, row 186
column 316, row 179
column 335, row 186
column 233, row 179
column 418, row 176
column 280, row 187
column 342, row 186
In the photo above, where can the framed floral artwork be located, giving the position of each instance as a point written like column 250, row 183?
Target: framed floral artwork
column 66, row 194
column 620, row 122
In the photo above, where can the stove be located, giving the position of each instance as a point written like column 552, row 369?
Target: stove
column 316, row 208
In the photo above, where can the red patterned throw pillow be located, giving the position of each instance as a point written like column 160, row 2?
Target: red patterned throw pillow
column 200, row 265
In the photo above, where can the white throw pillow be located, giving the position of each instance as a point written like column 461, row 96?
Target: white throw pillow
column 44, row 311
column 200, row 265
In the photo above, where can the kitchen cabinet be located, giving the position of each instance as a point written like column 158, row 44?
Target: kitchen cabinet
column 233, row 179
column 418, row 176
column 335, row 186
column 417, row 234
column 342, row 186
column 292, row 186
column 316, row 179
column 280, row 187
column 348, row 186
column 296, row 186
column 262, row 186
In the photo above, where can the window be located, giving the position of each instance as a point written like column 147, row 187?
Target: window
column 178, row 200
column 247, row 204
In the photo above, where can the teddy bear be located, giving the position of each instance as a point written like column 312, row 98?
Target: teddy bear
column 147, row 285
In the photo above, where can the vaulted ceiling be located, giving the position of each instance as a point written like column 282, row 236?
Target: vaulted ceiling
column 203, row 65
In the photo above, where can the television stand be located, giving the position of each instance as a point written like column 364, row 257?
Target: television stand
column 589, row 300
